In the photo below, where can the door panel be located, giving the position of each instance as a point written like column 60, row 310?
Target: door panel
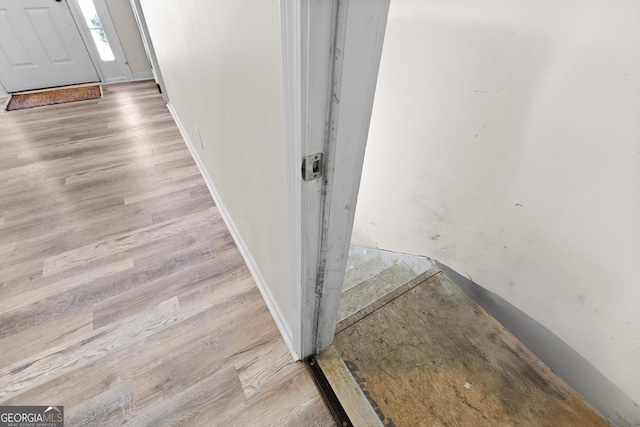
column 41, row 22
column 40, row 46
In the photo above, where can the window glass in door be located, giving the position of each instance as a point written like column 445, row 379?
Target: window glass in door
column 92, row 21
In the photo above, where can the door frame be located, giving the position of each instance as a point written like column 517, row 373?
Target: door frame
column 307, row 28
column 331, row 57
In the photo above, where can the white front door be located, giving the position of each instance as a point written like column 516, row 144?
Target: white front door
column 41, row 47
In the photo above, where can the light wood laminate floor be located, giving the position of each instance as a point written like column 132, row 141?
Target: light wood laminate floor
column 124, row 297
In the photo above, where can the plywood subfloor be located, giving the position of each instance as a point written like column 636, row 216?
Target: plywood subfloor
column 432, row 357
column 124, row 297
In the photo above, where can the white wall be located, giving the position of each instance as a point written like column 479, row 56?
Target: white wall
column 129, row 35
column 505, row 142
column 222, row 66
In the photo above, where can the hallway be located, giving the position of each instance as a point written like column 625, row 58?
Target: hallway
column 125, row 299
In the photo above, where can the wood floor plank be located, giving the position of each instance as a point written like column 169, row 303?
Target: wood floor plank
column 50, row 219
column 7, row 248
column 157, row 265
column 129, row 303
column 171, row 185
column 42, row 289
column 271, row 399
column 125, row 241
column 91, row 213
column 259, row 367
column 125, row 298
column 45, row 242
column 151, row 322
column 141, row 360
column 21, row 346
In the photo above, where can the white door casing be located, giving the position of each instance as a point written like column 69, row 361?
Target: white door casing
column 307, row 31
column 331, row 54
column 40, row 46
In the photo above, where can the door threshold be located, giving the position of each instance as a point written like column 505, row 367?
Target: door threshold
column 342, row 394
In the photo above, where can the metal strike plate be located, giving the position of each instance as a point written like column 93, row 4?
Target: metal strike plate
column 312, row 167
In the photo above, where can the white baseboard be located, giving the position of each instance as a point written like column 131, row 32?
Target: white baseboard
column 145, row 75
column 115, row 80
column 276, row 313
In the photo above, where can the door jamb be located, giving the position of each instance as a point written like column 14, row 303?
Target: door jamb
column 307, row 28
column 361, row 26
column 331, row 56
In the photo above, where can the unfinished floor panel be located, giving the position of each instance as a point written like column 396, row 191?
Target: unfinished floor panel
column 432, row 357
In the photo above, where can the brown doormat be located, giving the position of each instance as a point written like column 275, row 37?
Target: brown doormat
column 53, row 96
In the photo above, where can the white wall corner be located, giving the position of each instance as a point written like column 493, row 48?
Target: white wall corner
column 274, row 309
